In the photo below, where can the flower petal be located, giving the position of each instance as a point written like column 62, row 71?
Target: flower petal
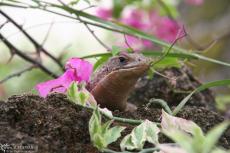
column 104, row 13
column 83, row 69
column 57, row 85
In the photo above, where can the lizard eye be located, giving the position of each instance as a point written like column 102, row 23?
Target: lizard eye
column 122, row 60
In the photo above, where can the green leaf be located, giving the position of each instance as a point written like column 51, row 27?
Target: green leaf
column 83, row 98
column 179, row 54
column 182, row 138
column 95, row 124
column 126, row 143
column 151, row 132
column 100, row 135
column 72, row 92
column 168, row 62
column 100, row 61
column 169, row 122
column 138, row 136
column 200, row 88
column 99, row 142
column 115, row 50
column 162, row 103
column 105, row 126
column 113, row 134
column 146, row 131
column 213, row 135
column 198, row 139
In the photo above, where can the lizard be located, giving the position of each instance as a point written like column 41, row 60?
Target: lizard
column 115, row 79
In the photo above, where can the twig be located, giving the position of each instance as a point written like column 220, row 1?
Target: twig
column 127, row 43
column 160, row 74
column 188, row 37
column 17, row 74
column 47, row 34
column 88, row 7
column 25, row 57
column 1, row 26
column 39, row 25
column 35, row 43
column 89, row 29
column 171, row 46
column 44, row 7
column 95, row 36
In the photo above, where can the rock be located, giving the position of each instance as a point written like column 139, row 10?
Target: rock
column 172, row 91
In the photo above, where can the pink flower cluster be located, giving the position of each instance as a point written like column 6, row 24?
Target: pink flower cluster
column 76, row 70
column 150, row 22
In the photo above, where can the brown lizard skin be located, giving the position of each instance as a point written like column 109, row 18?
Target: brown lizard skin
column 112, row 83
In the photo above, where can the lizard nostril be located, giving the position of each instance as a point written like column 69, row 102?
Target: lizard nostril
column 139, row 59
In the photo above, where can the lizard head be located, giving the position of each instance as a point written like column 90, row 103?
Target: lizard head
column 126, row 64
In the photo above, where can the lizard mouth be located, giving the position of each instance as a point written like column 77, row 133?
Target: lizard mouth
column 134, row 67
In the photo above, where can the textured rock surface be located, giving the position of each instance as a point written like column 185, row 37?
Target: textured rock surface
column 56, row 125
column 172, row 90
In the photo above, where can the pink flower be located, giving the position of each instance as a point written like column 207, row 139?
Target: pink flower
column 104, row 13
column 76, row 70
column 135, row 18
column 167, row 29
column 82, row 69
column 138, row 19
column 195, row 2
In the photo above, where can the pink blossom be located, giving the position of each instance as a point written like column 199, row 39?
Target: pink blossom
column 138, row 19
column 195, row 2
column 137, row 43
column 104, row 13
column 167, row 29
column 57, row 85
column 76, row 70
column 82, row 69
column 135, row 18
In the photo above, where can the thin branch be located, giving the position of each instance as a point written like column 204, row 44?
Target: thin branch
column 88, row 7
column 171, row 46
column 35, row 43
column 1, row 26
column 127, row 43
column 95, row 36
column 209, row 45
column 17, row 74
column 25, row 57
column 188, row 37
column 47, row 34
column 160, row 74
column 74, row 18
column 39, row 25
